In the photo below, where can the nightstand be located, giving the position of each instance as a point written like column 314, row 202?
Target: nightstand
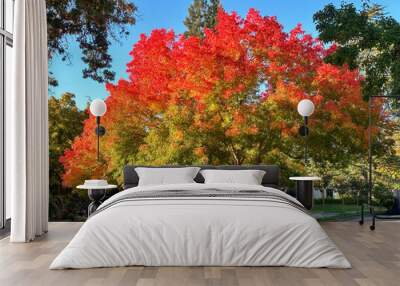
column 304, row 190
column 96, row 195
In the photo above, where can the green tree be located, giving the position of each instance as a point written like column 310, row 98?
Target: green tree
column 366, row 39
column 65, row 123
column 202, row 14
column 192, row 100
column 92, row 23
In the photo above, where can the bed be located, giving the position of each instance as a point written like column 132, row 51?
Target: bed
column 201, row 224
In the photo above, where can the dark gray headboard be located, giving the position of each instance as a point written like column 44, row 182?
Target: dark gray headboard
column 271, row 177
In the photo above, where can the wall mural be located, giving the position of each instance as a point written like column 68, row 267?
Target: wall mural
column 225, row 91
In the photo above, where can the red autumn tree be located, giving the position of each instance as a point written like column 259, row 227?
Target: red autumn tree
column 229, row 97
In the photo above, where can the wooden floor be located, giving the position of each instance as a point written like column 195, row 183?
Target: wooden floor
column 375, row 257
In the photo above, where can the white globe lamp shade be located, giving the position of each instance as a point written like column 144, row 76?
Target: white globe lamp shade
column 305, row 107
column 98, row 107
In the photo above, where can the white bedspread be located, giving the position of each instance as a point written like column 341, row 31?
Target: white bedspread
column 200, row 231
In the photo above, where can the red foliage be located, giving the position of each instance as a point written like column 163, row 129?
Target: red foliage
column 214, row 81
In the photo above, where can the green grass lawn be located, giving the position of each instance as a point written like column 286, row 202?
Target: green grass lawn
column 338, row 211
column 329, row 212
column 335, row 208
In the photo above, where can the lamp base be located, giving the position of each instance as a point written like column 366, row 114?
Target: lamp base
column 303, row 131
column 100, row 130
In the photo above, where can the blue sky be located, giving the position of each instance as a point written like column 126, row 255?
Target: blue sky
column 170, row 14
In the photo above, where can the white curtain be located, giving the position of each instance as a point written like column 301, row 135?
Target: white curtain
column 27, row 122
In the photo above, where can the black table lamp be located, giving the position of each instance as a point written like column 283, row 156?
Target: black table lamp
column 98, row 108
column 305, row 108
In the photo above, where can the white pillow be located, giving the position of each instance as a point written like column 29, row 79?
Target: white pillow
column 166, row 176
column 248, row 177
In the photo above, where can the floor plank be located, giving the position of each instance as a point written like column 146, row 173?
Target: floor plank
column 375, row 257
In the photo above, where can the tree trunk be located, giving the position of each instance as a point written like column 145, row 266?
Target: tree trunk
column 236, row 158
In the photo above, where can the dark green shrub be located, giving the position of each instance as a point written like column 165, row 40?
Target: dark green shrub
column 382, row 196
